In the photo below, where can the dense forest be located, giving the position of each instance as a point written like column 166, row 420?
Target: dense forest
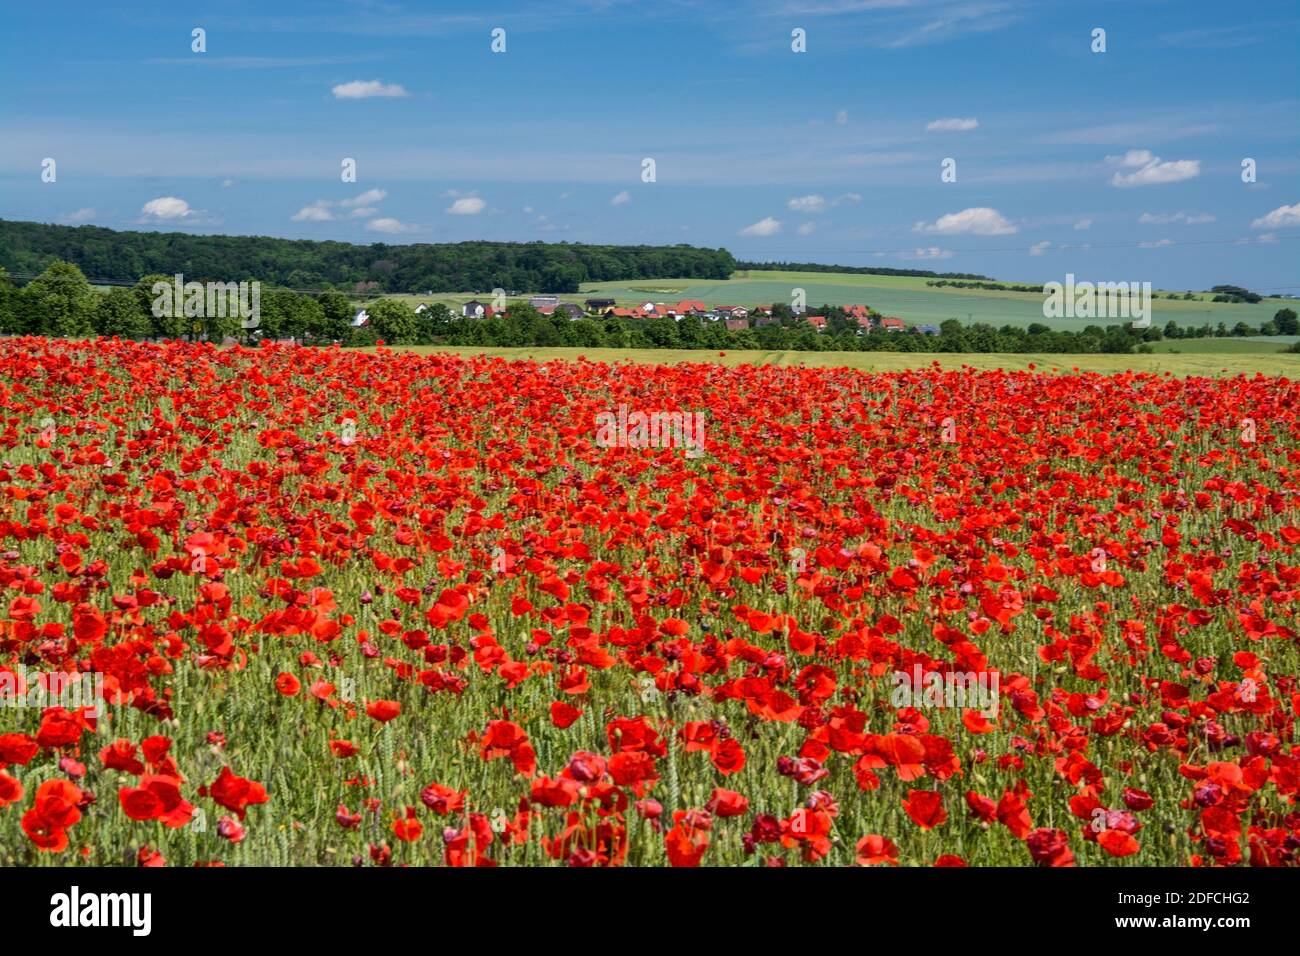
column 109, row 256
column 60, row 302
column 857, row 270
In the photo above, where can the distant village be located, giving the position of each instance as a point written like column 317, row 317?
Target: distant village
column 734, row 317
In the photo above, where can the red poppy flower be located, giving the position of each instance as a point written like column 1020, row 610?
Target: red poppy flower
column 11, row 791
column 236, row 794
column 873, row 850
column 563, row 715
column 925, row 807
column 383, row 710
column 288, row 685
column 685, row 843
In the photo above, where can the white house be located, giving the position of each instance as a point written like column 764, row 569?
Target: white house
column 361, row 318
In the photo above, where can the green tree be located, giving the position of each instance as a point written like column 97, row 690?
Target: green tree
column 1116, row 341
column 10, row 323
column 1286, row 322
column 154, row 297
column 394, row 322
column 300, row 316
column 60, row 302
column 120, row 313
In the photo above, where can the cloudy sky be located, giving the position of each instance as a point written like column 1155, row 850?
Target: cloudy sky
column 1117, row 165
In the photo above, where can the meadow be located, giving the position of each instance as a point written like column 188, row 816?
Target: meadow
column 366, row 607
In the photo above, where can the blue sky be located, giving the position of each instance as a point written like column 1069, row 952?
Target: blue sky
column 1122, row 165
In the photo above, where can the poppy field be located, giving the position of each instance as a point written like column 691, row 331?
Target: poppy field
column 295, row 607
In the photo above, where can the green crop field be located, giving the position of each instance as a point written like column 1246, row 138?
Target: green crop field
column 1261, row 345
column 1210, row 364
column 907, row 297
column 911, row 299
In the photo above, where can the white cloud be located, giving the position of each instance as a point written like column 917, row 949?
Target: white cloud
column 842, row 118
column 806, row 204
column 167, row 207
column 388, row 225
column 227, row 183
column 1172, row 218
column 1158, row 244
column 764, row 227
column 361, row 206
column 1038, row 248
column 316, row 212
column 81, row 215
column 929, row 252
column 1279, row 218
column 367, row 198
column 1083, row 224
column 467, row 206
column 1151, row 170
column 364, row 89
column 621, row 198
column 848, row 199
column 954, row 124
column 806, row 228
column 979, row 221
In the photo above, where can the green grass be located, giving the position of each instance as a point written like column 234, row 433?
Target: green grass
column 1199, row 363
column 1262, row 345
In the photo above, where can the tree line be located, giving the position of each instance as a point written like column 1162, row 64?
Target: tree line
column 856, row 270
column 1222, row 293
column 60, row 302
column 27, row 248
